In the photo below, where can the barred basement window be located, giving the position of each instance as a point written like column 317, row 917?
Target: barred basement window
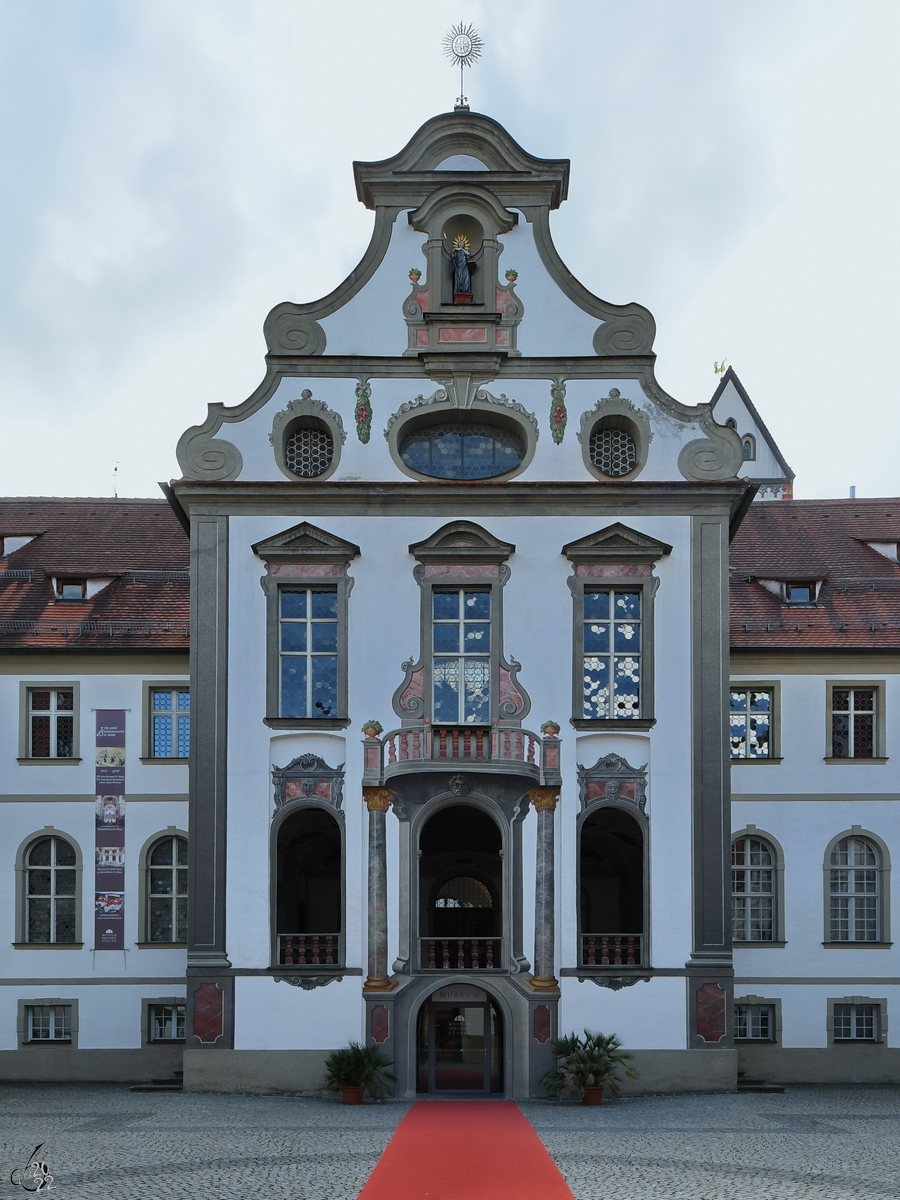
column 50, row 1023
column 612, row 451
column 750, row 720
column 752, row 890
column 857, row 1023
column 854, row 891
column 51, row 723
column 308, row 451
column 170, row 722
column 167, row 880
column 611, row 655
column 50, row 891
column 166, row 1022
column 853, row 723
column 754, row 1022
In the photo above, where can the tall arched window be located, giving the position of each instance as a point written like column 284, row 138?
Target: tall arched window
column 50, row 891
column 753, row 890
column 611, row 897
column 309, row 890
column 855, row 900
column 167, row 890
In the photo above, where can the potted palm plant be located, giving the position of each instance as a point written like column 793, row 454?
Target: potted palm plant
column 356, row 1070
column 588, row 1065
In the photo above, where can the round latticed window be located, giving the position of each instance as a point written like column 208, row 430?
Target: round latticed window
column 463, row 892
column 613, row 451
column 462, row 451
column 308, row 451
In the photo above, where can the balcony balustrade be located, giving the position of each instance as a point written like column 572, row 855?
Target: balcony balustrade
column 460, row 954
column 483, row 748
column 611, row 950
column 309, row 949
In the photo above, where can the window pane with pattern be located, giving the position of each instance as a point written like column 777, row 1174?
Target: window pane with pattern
column 308, row 652
column 51, row 723
column 853, row 723
column 50, row 891
column 50, row 1023
column 857, row 1022
column 170, row 722
column 167, row 882
column 458, row 451
column 754, row 1022
column 854, row 891
column 611, row 645
column 750, row 720
column 166, row 1022
column 461, row 662
column 752, row 890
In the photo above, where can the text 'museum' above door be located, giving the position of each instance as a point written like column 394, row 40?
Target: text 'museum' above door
column 459, row 1042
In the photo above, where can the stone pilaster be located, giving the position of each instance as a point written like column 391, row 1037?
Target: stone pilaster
column 378, row 801
column 544, row 801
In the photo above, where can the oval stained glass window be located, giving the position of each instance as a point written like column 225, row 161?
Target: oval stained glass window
column 457, row 451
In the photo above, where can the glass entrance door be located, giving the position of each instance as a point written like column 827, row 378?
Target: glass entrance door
column 459, row 1043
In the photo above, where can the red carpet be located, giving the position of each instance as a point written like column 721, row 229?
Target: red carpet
column 465, row 1150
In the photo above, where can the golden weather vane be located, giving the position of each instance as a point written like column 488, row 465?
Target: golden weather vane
column 719, row 368
column 463, row 46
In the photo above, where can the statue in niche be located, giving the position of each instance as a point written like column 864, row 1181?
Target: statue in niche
column 461, row 267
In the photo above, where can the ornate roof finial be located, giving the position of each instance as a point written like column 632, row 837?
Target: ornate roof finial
column 462, row 45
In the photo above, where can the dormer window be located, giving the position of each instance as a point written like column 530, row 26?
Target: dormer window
column 800, row 594
column 71, row 590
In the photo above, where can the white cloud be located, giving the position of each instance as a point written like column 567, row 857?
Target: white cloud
column 173, row 171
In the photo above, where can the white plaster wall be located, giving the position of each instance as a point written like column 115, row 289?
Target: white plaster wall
column 646, row 1016
column 278, row 1016
column 766, row 465
column 109, row 1017
column 383, row 632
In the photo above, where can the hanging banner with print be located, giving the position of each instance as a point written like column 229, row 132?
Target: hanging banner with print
column 109, row 838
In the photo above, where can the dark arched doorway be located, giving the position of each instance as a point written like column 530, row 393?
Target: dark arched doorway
column 612, row 889
column 308, row 889
column 459, row 1044
column 460, row 891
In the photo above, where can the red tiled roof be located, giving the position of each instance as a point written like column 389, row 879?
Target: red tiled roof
column 858, row 606
column 139, row 543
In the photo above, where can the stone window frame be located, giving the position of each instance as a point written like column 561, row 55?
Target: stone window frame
column 879, row 1002
column 748, row 441
column 305, row 557
column 617, row 412
column 144, row 889
column 779, row 941
column 777, row 1025
column 461, row 555
column 21, row 929
column 22, row 1021
column 884, row 892
column 878, row 687
column 763, row 685
column 149, row 1002
column 306, row 410
column 26, row 687
column 284, row 810
column 615, row 557
column 161, row 685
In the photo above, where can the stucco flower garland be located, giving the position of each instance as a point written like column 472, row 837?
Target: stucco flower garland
column 363, row 412
column 558, row 414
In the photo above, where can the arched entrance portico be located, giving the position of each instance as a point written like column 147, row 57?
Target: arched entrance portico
column 459, row 1042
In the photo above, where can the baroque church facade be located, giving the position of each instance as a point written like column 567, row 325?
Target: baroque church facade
column 465, row 700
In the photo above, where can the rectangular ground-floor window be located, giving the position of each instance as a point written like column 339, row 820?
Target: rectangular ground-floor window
column 49, row 1023
column 166, row 1022
column 754, row 1022
column 857, row 1022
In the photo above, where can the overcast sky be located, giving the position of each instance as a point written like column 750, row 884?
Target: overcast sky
column 172, row 170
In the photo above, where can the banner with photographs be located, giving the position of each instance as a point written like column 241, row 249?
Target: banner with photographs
column 109, row 838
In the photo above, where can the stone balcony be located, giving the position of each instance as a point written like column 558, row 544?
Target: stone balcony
column 424, row 747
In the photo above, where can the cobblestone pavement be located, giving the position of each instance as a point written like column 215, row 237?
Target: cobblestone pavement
column 819, row 1143
column 107, row 1143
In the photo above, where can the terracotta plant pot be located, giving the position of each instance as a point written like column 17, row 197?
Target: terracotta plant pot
column 354, row 1095
column 592, row 1095
column 370, row 731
